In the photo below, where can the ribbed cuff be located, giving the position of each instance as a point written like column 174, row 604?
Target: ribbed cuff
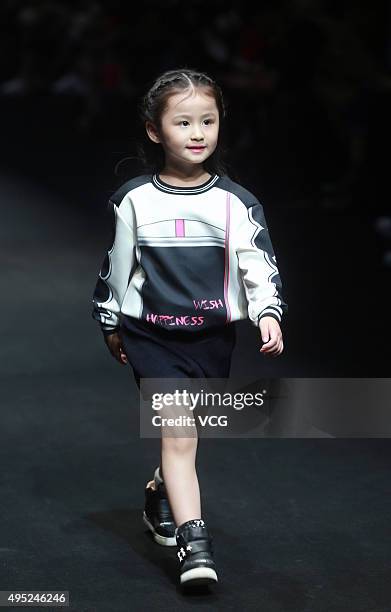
column 108, row 332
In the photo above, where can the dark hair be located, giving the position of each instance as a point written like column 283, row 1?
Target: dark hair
column 153, row 103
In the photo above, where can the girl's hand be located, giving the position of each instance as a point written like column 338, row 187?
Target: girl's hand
column 271, row 335
column 114, row 343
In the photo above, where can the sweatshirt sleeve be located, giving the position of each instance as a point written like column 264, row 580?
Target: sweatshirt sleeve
column 258, row 265
column 116, row 269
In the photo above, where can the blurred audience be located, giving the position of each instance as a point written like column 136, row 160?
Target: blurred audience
column 307, row 82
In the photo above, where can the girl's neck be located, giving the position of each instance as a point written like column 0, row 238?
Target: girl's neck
column 177, row 177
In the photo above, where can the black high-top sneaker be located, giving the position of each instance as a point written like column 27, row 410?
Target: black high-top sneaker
column 195, row 550
column 157, row 515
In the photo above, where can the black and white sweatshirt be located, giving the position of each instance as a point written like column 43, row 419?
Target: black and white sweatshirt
column 187, row 258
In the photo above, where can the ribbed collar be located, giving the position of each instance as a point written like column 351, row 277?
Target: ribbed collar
column 163, row 186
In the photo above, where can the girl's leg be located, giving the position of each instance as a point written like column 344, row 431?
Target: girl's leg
column 178, row 469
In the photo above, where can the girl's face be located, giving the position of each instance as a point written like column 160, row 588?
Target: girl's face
column 189, row 128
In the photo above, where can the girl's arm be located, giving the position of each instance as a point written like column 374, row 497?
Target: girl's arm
column 258, row 265
column 116, row 269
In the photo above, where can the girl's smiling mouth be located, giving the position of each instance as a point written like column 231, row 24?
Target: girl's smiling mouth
column 197, row 149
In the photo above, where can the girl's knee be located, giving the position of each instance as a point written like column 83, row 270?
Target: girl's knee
column 179, row 445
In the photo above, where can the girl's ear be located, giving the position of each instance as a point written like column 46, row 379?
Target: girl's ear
column 152, row 131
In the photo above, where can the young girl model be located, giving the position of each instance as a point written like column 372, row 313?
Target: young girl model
column 190, row 255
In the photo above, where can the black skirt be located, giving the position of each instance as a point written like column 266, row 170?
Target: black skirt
column 156, row 352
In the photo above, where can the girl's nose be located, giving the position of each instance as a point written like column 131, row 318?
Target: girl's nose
column 197, row 134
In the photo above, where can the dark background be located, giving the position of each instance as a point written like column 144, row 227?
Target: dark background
column 299, row 524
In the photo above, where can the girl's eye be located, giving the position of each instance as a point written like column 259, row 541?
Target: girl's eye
column 207, row 121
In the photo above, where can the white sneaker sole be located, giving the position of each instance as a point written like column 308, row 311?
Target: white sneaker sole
column 162, row 540
column 198, row 576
